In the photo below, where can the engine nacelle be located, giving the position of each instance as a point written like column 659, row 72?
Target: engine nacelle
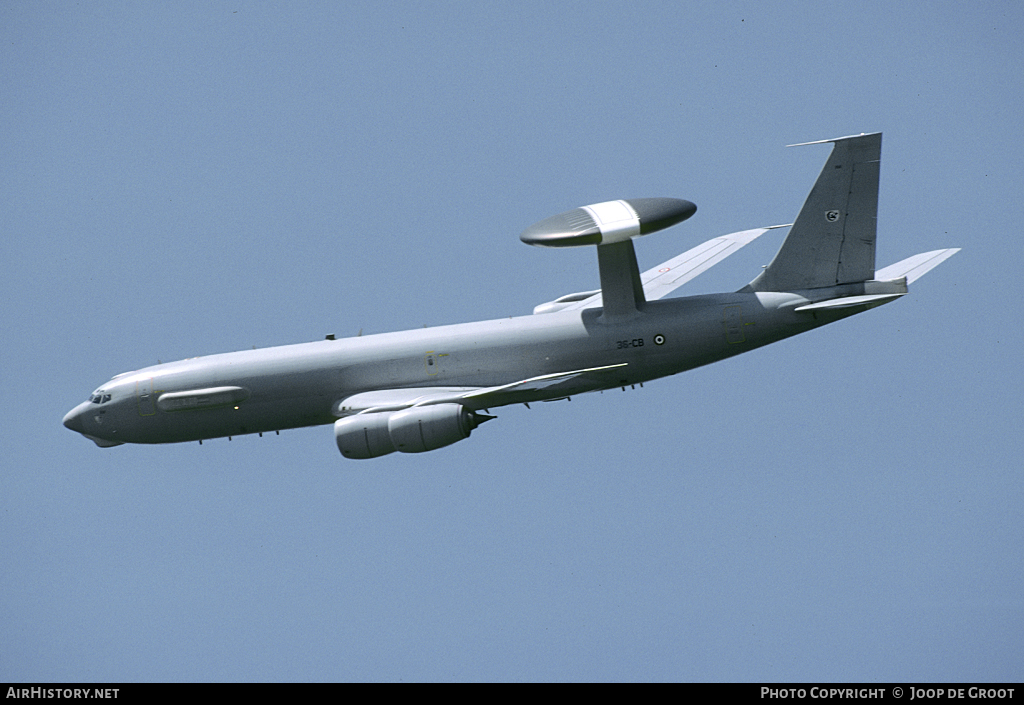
column 363, row 436
column 413, row 430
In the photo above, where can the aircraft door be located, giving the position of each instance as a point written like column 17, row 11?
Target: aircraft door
column 433, row 362
column 732, row 319
column 144, row 394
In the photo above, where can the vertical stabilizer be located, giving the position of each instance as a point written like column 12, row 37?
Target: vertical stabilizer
column 832, row 241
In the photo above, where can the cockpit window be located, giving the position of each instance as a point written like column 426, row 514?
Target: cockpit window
column 99, row 397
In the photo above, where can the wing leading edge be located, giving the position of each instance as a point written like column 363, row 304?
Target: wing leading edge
column 542, row 387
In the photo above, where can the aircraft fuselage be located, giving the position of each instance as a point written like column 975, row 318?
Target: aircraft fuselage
column 300, row 385
column 424, row 389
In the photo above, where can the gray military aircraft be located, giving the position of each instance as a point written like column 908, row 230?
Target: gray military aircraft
column 424, row 389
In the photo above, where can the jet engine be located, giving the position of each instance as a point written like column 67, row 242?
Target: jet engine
column 413, row 430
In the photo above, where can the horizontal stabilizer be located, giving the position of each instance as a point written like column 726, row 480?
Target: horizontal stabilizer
column 915, row 267
column 849, row 301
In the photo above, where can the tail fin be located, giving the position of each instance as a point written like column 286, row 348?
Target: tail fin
column 832, row 241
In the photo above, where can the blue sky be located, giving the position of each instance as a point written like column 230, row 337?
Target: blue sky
column 183, row 179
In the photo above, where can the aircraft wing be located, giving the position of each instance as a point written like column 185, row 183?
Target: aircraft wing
column 669, row 276
column 672, row 274
column 550, row 386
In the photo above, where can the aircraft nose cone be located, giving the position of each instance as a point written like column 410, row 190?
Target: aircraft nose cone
column 73, row 419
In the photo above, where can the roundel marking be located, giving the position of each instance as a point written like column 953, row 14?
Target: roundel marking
column 659, row 339
column 832, row 216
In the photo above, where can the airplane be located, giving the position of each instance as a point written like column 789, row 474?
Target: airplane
column 424, row 389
